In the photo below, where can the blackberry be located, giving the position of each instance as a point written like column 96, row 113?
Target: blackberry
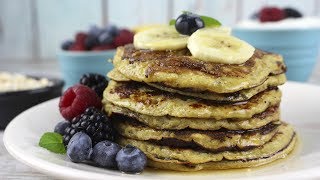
column 92, row 122
column 96, row 82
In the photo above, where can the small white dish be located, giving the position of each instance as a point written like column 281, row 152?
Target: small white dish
column 300, row 107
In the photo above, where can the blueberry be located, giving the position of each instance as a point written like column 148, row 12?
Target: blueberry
column 188, row 23
column 91, row 41
column 79, row 147
column 113, row 30
column 293, row 13
column 66, row 45
column 105, row 38
column 95, row 31
column 61, row 127
column 131, row 160
column 104, row 154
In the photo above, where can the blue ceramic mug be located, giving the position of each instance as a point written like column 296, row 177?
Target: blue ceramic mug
column 74, row 64
column 299, row 47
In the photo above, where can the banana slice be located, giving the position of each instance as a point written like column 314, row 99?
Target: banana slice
column 221, row 29
column 161, row 38
column 214, row 46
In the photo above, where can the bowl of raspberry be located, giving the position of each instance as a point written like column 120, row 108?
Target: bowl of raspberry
column 287, row 32
column 91, row 52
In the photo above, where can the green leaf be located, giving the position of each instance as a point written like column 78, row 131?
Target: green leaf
column 210, row 22
column 172, row 22
column 52, row 142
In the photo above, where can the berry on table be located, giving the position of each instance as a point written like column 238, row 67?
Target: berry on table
column 94, row 123
column 61, row 127
column 79, row 148
column 76, row 99
column 95, row 81
column 131, row 160
column 104, row 154
column 188, row 23
column 269, row 14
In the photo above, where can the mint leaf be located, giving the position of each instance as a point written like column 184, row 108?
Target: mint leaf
column 52, row 142
column 210, row 22
column 172, row 22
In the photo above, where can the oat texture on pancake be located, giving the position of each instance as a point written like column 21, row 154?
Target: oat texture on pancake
column 195, row 98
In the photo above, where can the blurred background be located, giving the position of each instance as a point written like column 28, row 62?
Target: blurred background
column 31, row 31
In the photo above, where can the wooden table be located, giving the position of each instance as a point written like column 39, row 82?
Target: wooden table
column 13, row 169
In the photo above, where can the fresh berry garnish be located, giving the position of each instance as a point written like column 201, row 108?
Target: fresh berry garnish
column 76, row 99
column 61, row 127
column 131, row 160
column 103, row 47
column 269, row 14
column 79, row 147
column 124, row 37
column 188, row 23
column 66, row 45
column 94, row 123
column 104, row 154
column 96, row 82
column 292, row 13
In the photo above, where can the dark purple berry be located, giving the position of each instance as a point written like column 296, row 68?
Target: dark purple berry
column 188, row 23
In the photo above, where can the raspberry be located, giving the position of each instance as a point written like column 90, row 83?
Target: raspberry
column 103, row 47
column 79, row 44
column 75, row 100
column 124, row 37
column 77, row 47
column 94, row 123
column 271, row 14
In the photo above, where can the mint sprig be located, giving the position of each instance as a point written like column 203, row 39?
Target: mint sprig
column 172, row 22
column 210, row 22
column 52, row 142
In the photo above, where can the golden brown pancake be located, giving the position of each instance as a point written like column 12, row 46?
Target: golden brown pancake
column 179, row 70
column 191, row 160
column 242, row 95
column 146, row 100
column 215, row 141
column 271, row 114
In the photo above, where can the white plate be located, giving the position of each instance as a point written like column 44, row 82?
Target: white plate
column 300, row 106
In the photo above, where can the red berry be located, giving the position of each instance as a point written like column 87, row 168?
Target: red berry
column 76, row 99
column 271, row 14
column 79, row 43
column 103, row 47
column 77, row 47
column 124, row 37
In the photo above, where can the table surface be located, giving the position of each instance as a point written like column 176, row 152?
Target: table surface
column 13, row 169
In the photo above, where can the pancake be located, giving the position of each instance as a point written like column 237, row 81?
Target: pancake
column 278, row 147
column 271, row 114
column 225, row 164
column 146, row 100
column 216, row 141
column 178, row 70
column 242, row 95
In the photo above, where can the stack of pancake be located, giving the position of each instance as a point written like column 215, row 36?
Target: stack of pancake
column 188, row 115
